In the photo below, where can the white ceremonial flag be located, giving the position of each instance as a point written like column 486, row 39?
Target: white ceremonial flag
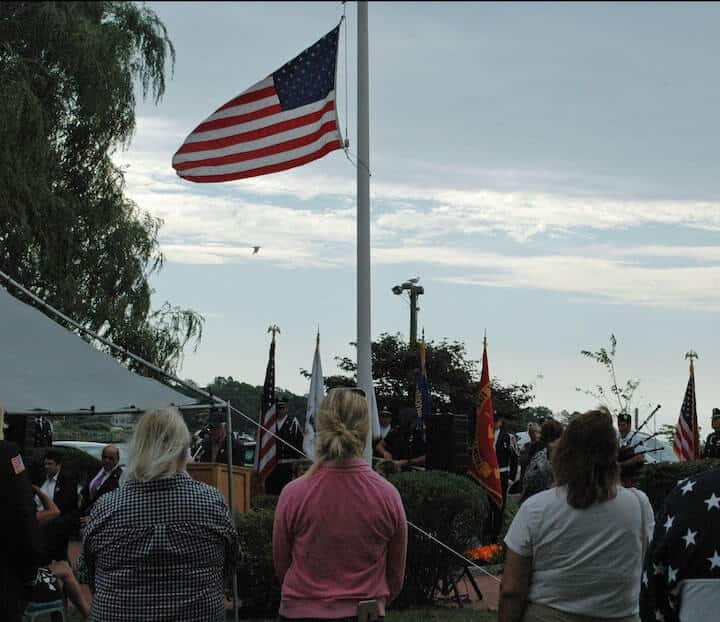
column 315, row 397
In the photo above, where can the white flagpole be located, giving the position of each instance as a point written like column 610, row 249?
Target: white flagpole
column 364, row 366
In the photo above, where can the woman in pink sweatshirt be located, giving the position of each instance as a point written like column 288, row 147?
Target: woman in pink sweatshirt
column 340, row 534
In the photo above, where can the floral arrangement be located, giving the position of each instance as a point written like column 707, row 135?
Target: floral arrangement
column 489, row 553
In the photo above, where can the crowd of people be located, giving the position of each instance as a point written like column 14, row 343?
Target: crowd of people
column 158, row 545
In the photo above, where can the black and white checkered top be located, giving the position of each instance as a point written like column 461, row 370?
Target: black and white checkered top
column 159, row 550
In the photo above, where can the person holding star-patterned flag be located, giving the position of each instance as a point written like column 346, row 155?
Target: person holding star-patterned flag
column 681, row 576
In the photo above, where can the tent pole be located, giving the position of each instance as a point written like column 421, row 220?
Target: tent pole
column 229, row 456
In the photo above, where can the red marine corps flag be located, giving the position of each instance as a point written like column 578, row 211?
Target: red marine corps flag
column 286, row 120
column 484, row 465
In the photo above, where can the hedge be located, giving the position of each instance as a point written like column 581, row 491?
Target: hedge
column 657, row 480
column 451, row 508
column 258, row 587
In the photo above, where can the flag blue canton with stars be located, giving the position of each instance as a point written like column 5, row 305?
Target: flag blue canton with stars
column 684, row 555
column 309, row 76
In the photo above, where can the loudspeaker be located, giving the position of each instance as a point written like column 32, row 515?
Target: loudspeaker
column 448, row 443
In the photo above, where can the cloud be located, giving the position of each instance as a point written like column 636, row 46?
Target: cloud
column 606, row 279
column 306, row 218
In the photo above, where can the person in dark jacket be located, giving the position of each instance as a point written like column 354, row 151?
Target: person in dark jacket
column 712, row 444
column 19, row 534
column 63, row 490
column 106, row 480
column 507, row 458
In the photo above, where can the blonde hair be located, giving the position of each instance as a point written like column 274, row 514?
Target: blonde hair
column 342, row 426
column 159, row 446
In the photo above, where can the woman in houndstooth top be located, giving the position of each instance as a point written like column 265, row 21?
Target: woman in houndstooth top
column 162, row 546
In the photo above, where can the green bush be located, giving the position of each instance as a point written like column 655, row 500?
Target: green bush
column 451, row 508
column 264, row 502
column 657, row 480
column 258, row 587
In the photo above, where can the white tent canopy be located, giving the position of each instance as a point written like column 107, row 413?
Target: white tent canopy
column 45, row 367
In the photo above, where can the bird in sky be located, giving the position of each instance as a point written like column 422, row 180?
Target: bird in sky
column 255, row 250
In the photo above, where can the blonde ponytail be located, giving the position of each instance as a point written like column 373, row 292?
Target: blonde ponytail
column 342, row 424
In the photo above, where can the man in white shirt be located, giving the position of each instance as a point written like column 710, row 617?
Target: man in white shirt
column 63, row 491
column 106, row 480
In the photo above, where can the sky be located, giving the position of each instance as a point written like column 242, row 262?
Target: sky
column 549, row 170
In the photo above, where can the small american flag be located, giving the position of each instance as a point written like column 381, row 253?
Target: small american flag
column 687, row 438
column 286, row 120
column 266, row 450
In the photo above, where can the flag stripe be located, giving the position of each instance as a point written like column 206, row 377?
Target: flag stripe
column 199, row 157
column 686, row 443
column 262, row 89
column 269, row 126
column 264, row 170
column 244, row 109
column 238, row 119
column 272, row 149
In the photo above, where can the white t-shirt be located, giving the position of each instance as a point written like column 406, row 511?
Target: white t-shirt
column 588, row 561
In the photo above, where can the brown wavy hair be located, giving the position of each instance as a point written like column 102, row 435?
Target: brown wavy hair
column 585, row 460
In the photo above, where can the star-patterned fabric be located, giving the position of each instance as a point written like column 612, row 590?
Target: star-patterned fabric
column 681, row 575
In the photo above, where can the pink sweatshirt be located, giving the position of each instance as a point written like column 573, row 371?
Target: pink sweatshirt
column 339, row 537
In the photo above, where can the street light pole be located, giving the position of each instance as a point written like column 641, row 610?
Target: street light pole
column 413, row 316
column 414, row 291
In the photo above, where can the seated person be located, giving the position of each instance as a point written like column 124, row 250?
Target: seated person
column 107, row 480
column 55, row 578
column 404, row 446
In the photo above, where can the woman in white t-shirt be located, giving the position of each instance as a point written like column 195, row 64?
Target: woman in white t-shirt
column 574, row 552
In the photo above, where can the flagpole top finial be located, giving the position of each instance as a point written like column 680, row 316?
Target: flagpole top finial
column 273, row 328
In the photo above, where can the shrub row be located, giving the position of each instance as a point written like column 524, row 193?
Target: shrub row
column 451, row 508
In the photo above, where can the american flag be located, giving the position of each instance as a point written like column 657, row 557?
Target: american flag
column 266, row 451
column 686, row 444
column 286, row 120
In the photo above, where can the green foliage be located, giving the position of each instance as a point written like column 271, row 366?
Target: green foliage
column 258, row 587
column 657, row 480
column 453, row 378
column 617, row 398
column 264, row 502
column 67, row 231
column 246, row 398
column 451, row 508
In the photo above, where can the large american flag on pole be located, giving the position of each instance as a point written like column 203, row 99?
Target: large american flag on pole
column 286, row 120
column 266, row 449
column 686, row 444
